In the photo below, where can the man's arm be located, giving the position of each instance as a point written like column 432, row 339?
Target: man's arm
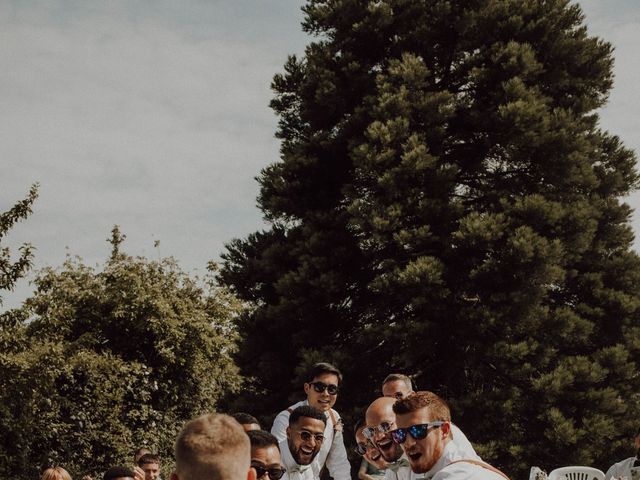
column 280, row 424
column 337, row 461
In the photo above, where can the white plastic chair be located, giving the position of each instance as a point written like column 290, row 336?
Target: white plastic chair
column 576, row 473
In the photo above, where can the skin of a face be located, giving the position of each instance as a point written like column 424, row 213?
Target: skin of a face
column 423, row 454
column 373, row 455
column 396, row 389
column 381, row 410
column 267, row 457
column 151, row 471
column 322, row 401
column 250, row 426
column 303, row 452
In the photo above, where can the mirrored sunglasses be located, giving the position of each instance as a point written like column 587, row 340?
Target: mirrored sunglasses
column 417, row 432
column 370, row 432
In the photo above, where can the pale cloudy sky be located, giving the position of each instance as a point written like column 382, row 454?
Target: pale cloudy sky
column 153, row 114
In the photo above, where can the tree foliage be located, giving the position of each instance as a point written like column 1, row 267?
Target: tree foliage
column 11, row 271
column 107, row 360
column 447, row 205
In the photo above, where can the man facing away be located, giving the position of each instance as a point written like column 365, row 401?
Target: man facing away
column 321, row 386
column 266, row 459
column 305, row 437
column 623, row 468
column 423, row 430
column 248, row 421
column 213, row 447
column 399, row 386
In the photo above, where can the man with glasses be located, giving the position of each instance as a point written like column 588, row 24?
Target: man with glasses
column 305, row 437
column 423, row 430
column 265, row 455
column 373, row 466
column 399, row 386
column 321, row 386
column 381, row 420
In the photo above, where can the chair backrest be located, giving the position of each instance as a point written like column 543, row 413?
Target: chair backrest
column 576, row 473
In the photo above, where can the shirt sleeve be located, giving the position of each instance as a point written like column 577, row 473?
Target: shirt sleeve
column 337, row 461
column 280, row 424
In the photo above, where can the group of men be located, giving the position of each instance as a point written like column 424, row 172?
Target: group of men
column 408, row 434
column 405, row 434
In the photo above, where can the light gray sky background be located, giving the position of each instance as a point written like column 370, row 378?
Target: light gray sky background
column 153, row 115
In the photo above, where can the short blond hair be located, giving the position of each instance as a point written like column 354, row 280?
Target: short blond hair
column 213, row 446
column 55, row 473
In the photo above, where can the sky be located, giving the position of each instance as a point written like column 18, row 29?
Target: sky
column 153, row 115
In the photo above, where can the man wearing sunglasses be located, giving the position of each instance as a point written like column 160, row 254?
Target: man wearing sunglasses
column 321, row 386
column 265, row 455
column 399, row 386
column 305, row 436
column 373, row 466
column 423, row 429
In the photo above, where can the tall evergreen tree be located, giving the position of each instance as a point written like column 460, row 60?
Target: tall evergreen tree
column 447, row 205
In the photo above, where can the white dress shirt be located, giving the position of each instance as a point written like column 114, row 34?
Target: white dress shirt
column 446, row 469
column 294, row 471
column 621, row 469
column 463, row 444
column 332, row 452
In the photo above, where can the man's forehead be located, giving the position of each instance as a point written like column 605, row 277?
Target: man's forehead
column 422, row 415
column 380, row 411
column 310, row 424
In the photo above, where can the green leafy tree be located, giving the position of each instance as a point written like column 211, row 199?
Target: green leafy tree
column 446, row 205
column 113, row 359
column 10, row 270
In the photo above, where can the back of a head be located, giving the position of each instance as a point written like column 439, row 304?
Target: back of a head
column 214, row 447
column 118, row 472
column 139, row 453
column 55, row 473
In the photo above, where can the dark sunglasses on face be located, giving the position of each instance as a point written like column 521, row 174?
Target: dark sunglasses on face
column 274, row 473
column 417, row 432
column 361, row 448
column 370, row 432
column 321, row 387
column 307, row 436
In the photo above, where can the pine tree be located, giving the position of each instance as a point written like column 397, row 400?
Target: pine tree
column 446, row 204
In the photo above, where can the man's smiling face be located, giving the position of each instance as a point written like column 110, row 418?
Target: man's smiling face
column 323, row 400
column 379, row 413
column 423, row 453
column 305, row 438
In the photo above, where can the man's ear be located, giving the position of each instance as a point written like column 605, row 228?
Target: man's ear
column 306, row 388
column 252, row 474
column 637, row 442
column 446, row 430
column 288, row 433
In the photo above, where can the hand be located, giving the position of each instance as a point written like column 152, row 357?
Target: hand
column 138, row 473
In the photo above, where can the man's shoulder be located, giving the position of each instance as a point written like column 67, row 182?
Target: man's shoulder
column 461, row 470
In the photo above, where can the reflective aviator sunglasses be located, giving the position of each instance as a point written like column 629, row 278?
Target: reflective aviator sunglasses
column 417, row 432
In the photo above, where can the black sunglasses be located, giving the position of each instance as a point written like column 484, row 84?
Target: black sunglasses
column 417, row 432
column 275, row 473
column 321, row 387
